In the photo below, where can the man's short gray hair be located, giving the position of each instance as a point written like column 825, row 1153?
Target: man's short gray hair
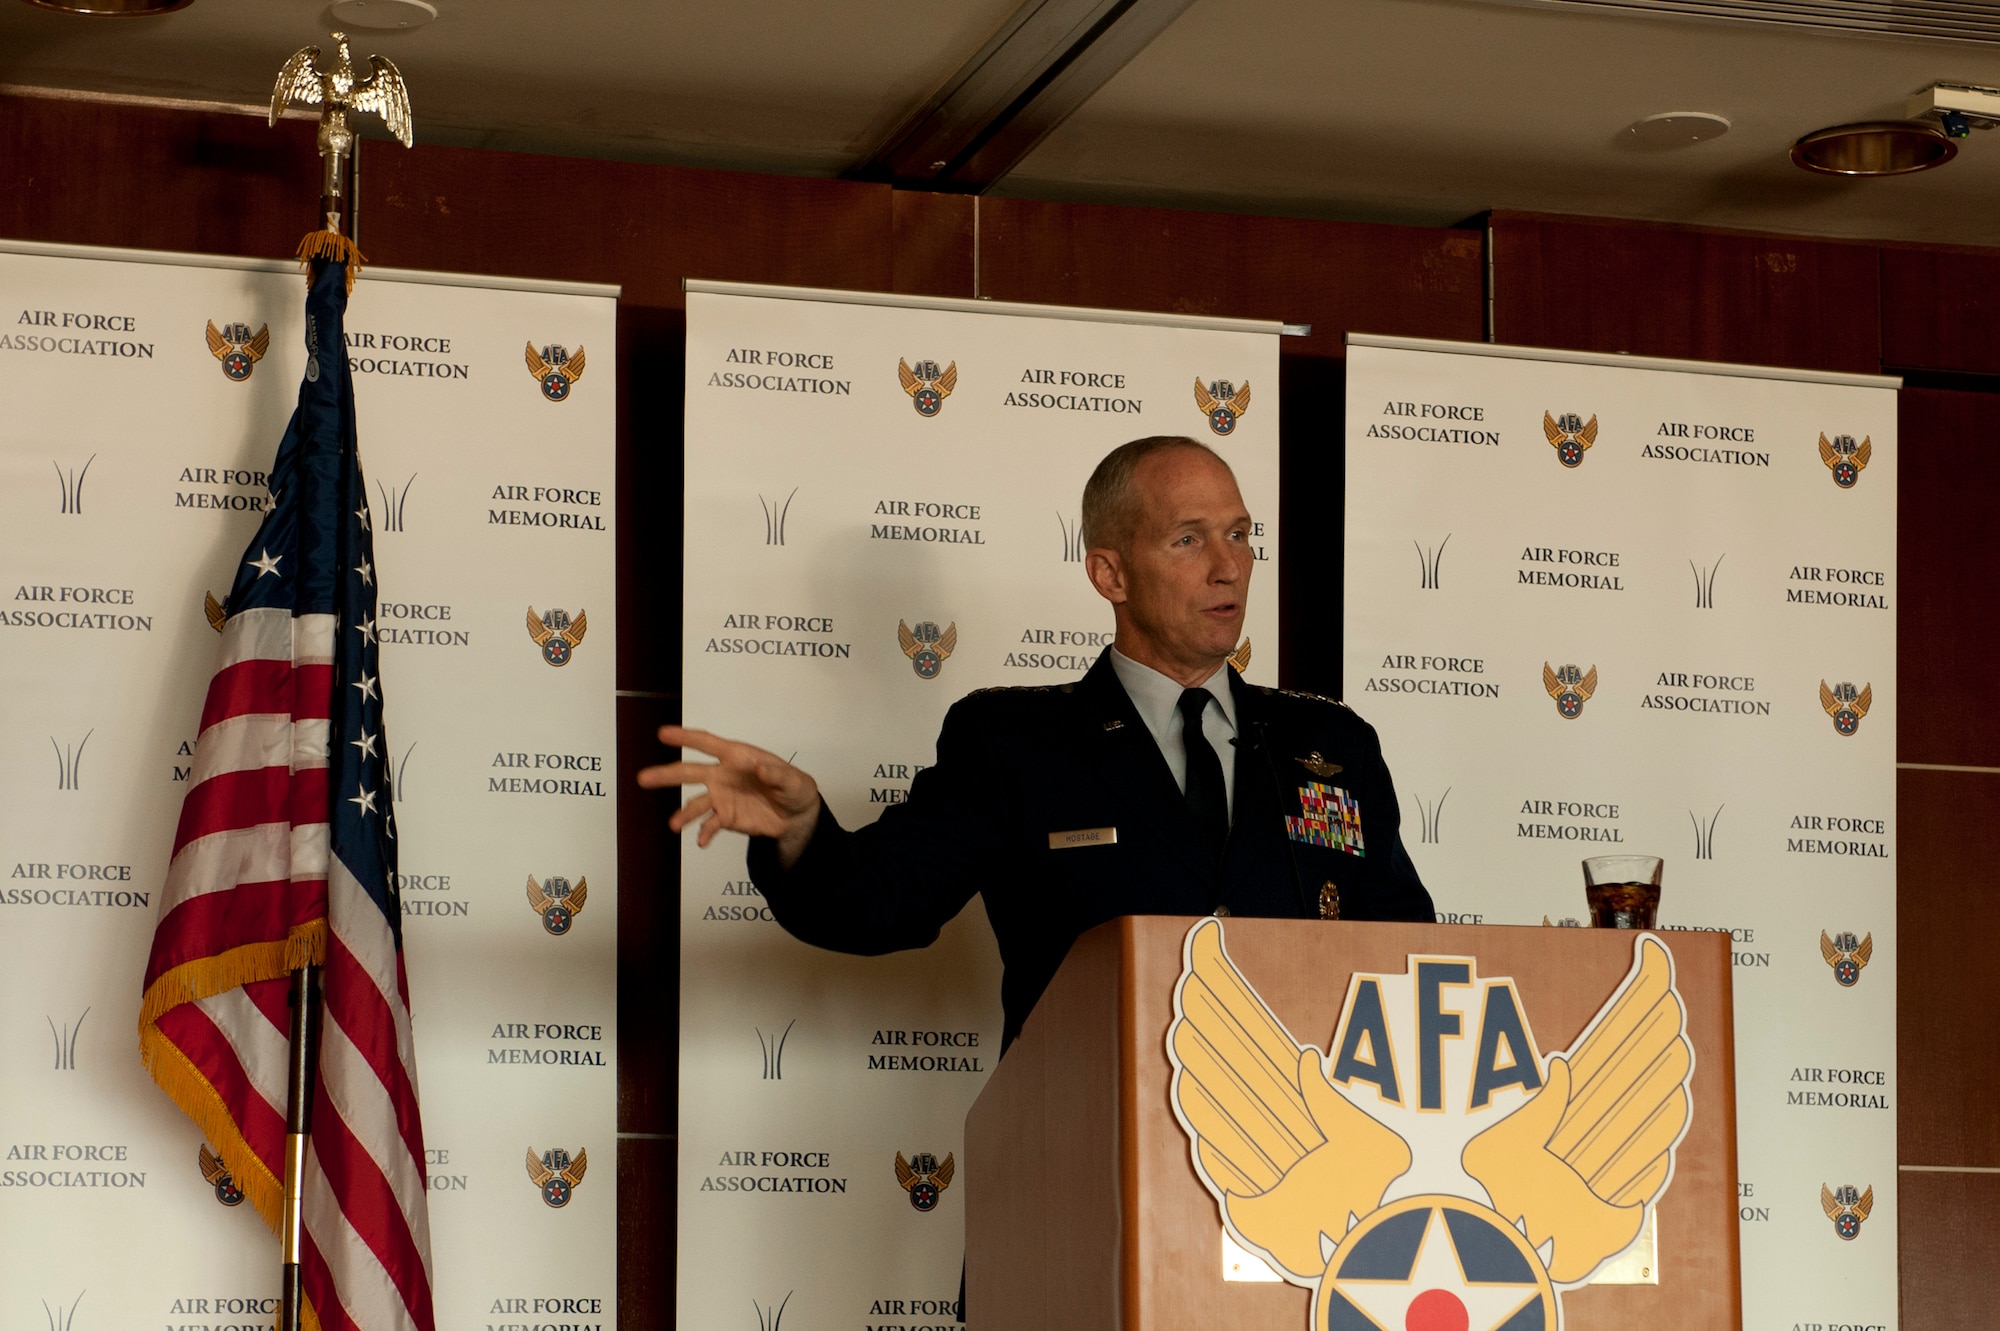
column 1110, row 499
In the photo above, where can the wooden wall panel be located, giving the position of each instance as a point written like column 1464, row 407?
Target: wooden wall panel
column 1676, row 291
column 1340, row 277
column 1948, row 577
column 1941, row 309
column 643, row 226
column 1948, row 990
column 652, row 352
column 86, row 173
column 1950, row 1240
column 648, row 1220
column 933, row 244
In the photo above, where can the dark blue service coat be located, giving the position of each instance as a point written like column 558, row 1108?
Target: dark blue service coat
column 1019, row 768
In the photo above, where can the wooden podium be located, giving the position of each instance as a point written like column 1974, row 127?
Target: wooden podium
column 1083, row 1209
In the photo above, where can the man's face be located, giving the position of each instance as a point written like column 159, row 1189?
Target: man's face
column 1183, row 584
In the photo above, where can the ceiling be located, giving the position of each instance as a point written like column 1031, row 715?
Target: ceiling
column 1424, row 111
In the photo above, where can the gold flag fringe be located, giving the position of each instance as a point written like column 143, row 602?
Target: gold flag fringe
column 187, row 1088
column 332, row 245
column 184, row 1083
column 192, row 981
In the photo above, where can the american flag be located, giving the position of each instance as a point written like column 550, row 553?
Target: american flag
column 286, row 854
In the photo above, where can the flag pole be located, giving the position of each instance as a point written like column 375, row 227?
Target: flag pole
column 337, row 93
column 299, row 1087
column 302, row 1077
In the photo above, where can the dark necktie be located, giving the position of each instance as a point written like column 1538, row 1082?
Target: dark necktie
column 1207, row 797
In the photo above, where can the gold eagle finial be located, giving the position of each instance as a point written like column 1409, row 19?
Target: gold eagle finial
column 337, row 92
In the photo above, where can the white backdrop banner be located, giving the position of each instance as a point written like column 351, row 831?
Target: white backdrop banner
column 857, row 466
column 133, row 456
column 1601, row 605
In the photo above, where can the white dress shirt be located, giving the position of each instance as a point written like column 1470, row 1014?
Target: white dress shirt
column 1158, row 700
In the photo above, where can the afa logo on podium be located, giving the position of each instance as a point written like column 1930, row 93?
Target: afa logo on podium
column 1436, row 1170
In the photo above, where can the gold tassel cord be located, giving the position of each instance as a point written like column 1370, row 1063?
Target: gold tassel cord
column 336, row 247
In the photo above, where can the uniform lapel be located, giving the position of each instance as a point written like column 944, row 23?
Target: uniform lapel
column 1257, row 852
column 1129, row 762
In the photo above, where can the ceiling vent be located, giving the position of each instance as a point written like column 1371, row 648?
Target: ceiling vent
column 1939, row 20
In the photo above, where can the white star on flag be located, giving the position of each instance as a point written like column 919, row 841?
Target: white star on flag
column 367, row 573
column 367, row 686
column 366, row 744
column 265, row 563
column 366, row 628
column 362, row 513
column 365, row 798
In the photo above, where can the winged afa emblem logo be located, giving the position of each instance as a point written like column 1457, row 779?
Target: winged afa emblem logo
column 1223, row 403
column 927, row 647
column 1433, row 1167
column 1569, row 436
column 1570, row 687
column 219, row 1178
column 1846, row 704
column 1845, row 458
column 556, row 1174
column 924, row 1178
column 556, row 634
column 558, row 904
column 1846, row 1207
column 238, row 348
column 927, row 385
column 555, row 368
column 1847, row 956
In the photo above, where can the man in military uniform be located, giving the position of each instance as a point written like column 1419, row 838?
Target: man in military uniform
column 1158, row 784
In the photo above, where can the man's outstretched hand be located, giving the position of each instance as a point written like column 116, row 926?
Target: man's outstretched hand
column 748, row 791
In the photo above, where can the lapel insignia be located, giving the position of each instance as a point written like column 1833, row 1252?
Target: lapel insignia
column 1240, row 658
column 1317, row 765
column 1114, row 725
column 1328, row 816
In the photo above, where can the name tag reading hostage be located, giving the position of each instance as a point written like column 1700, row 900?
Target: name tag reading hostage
column 1480, row 1189
column 1083, row 836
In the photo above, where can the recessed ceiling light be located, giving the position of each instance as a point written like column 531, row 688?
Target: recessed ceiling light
column 1874, row 148
column 1677, row 129
column 112, row 8
column 384, row 15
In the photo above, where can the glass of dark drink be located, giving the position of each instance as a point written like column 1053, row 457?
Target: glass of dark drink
column 1623, row 890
